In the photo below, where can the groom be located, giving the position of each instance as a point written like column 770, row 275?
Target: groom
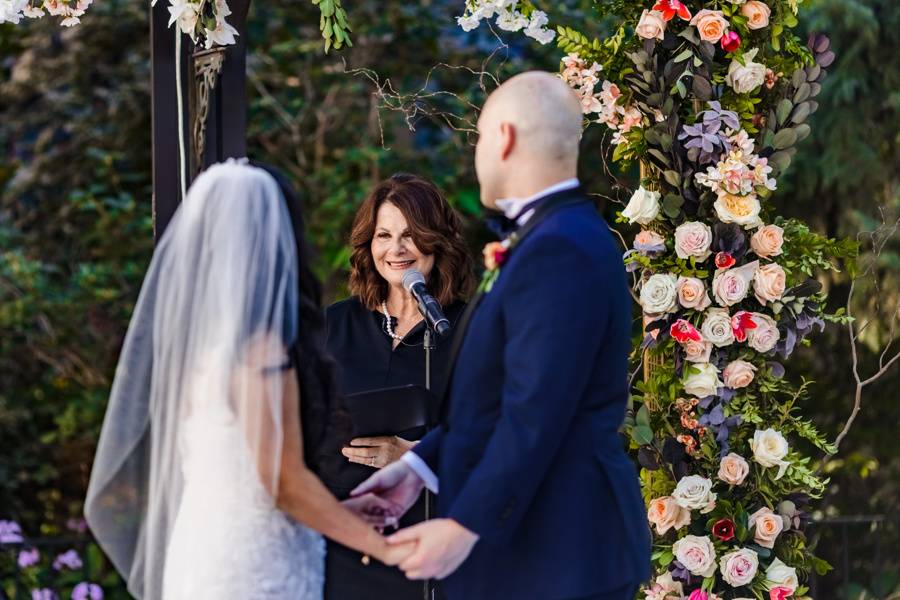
column 537, row 498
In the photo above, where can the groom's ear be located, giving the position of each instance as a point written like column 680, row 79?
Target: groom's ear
column 507, row 139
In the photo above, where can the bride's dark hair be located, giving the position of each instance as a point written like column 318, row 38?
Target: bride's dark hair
column 321, row 410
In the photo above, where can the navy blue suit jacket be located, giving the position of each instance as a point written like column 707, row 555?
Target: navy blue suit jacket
column 529, row 457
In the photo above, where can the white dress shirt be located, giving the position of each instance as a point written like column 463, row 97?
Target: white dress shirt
column 511, row 208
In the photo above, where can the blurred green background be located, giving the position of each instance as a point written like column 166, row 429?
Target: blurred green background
column 75, row 213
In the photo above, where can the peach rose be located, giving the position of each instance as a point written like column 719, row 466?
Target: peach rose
column 733, row 469
column 697, row 352
column 767, row 241
column 652, row 25
column 692, row 293
column 768, row 527
column 757, row 14
column 768, row 283
column 711, row 25
column 665, row 514
column 738, row 374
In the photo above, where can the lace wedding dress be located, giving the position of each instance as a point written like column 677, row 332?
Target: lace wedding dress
column 229, row 540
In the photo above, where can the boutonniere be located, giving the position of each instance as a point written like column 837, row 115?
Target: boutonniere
column 495, row 256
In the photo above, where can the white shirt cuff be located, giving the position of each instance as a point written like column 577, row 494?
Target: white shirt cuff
column 421, row 469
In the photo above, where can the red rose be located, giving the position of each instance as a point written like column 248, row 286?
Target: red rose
column 724, row 529
column 494, row 255
column 683, row 331
column 724, row 260
column 670, row 8
column 740, row 323
column 731, row 41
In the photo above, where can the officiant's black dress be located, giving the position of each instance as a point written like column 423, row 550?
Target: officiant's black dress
column 359, row 342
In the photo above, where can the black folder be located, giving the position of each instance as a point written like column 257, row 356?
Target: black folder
column 390, row 411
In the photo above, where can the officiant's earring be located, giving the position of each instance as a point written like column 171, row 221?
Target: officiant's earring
column 365, row 559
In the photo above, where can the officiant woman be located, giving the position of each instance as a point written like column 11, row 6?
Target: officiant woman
column 376, row 337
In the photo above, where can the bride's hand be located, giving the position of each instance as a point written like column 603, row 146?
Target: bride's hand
column 374, row 510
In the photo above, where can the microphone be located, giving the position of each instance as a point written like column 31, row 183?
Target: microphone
column 414, row 283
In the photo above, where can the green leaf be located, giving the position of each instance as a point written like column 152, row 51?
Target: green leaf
column 783, row 111
column 642, row 435
column 686, row 54
column 642, row 417
column 784, row 139
column 673, row 178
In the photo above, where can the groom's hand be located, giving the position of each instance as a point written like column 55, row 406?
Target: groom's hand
column 397, row 483
column 442, row 545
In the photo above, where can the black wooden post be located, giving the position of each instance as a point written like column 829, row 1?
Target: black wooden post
column 225, row 132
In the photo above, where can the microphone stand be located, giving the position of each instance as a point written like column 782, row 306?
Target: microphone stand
column 428, row 345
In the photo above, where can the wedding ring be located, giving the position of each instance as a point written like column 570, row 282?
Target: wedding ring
column 372, row 461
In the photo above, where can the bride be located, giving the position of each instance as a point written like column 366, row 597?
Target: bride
column 204, row 482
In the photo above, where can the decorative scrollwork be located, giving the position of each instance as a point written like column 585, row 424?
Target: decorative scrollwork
column 207, row 68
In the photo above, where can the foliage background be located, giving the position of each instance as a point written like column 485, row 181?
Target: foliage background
column 75, row 211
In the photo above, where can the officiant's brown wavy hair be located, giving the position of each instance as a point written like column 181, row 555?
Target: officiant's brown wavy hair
column 435, row 229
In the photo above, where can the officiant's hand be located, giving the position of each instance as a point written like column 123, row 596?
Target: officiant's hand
column 397, row 483
column 376, row 452
column 441, row 546
column 376, row 511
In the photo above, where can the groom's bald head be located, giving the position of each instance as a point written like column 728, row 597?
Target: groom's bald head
column 532, row 121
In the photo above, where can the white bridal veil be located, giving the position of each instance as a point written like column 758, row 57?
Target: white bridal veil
column 208, row 342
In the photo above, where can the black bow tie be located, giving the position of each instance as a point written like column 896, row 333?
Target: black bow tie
column 500, row 225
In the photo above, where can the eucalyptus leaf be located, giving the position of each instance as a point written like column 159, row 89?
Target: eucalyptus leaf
column 803, row 130
column 784, row 139
column 801, row 112
column 642, row 435
column 672, row 178
column 686, row 54
column 783, row 111
column 799, row 78
column 802, row 93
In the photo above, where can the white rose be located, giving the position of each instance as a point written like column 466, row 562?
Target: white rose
column 769, row 449
column 780, row 575
column 739, row 567
column 765, row 335
column 742, row 210
column 695, row 492
column 745, row 78
column 659, row 293
column 697, row 554
column 769, row 283
column 643, row 207
column 716, row 327
column 692, row 293
column 652, row 25
column 693, row 239
column 703, row 380
column 768, row 527
column 733, row 469
column 738, row 374
column 732, row 285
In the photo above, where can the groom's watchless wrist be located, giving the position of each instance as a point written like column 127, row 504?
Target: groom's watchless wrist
column 422, row 471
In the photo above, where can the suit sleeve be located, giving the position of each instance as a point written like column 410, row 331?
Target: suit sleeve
column 555, row 313
column 428, row 449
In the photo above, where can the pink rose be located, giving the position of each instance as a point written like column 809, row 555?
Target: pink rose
column 665, row 514
column 692, row 239
column 769, row 283
column 767, row 241
column 697, row 352
column 692, row 293
column 764, row 336
column 739, row 567
column 711, row 25
column 697, row 554
column 768, row 527
column 780, row 593
column 757, row 14
column 733, row 469
column 733, row 285
column 738, row 374
column 651, row 26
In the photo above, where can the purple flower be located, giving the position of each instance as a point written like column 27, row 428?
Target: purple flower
column 87, row 591
column 77, row 525
column 68, row 559
column 43, row 594
column 10, row 533
column 29, row 558
column 706, row 141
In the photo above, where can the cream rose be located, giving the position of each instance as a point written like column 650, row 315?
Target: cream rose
column 665, row 514
column 757, row 14
column 743, row 210
column 693, row 239
column 692, row 293
column 769, row 449
column 739, row 567
column 697, row 554
column 716, row 328
column 738, row 374
column 697, row 352
column 768, row 527
column 652, row 25
column 695, row 493
column 659, row 293
column 780, row 575
column 643, row 207
column 733, row 469
column 732, row 285
column 769, row 283
column 703, row 380
column 765, row 335
column 746, row 77
column 665, row 588
column 767, row 241
column 710, row 24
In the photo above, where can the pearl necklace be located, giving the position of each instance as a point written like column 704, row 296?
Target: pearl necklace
column 387, row 322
